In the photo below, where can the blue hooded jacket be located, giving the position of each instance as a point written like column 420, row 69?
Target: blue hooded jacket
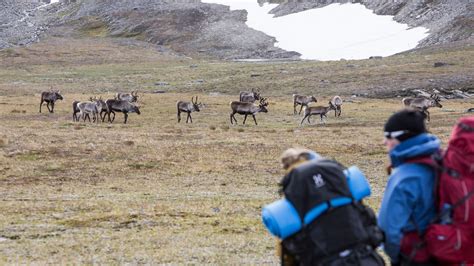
column 409, row 195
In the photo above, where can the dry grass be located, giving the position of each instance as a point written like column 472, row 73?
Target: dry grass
column 155, row 191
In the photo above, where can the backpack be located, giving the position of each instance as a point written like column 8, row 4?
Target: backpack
column 345, row 233
column 449, row 238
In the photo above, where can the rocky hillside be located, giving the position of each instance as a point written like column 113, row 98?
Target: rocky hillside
column 187, row 27
column 192, row 28
column 16, row 26
column 448, row 20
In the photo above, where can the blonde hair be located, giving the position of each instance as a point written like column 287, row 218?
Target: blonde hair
column 292, row 156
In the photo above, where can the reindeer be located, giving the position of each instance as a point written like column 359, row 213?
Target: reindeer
column 422, row 103
column 188, row 107
column 336, row 101
column 50, row 97
column 75, row 110
column 122, row 106
column 86, row 109
column 302, row 100
column 131, row 97
column 317, row 110
column 101, row 108
column 250, row 96
column 245, row 108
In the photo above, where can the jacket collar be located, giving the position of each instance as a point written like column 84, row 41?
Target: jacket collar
column 423, row 144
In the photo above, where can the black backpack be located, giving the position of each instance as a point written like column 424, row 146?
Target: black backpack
column 344, row 235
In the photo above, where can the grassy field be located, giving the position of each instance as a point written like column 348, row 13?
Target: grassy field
column 155, row 191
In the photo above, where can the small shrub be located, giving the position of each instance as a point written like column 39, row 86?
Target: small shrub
column 225, row 128
column 240, row 130
column 212, row 127
column 129, row 142
column 15, row 111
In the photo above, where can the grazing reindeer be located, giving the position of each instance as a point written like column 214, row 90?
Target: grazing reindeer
column 336, row 101
column 422, row 103
column 101, row 108
column 302, row 100
column 122, row 106
column 250, row 96
column 317, row 110
column 130, row 97
column 86, row 109
column 245, row 108
column 188, row 107
column 50, row 97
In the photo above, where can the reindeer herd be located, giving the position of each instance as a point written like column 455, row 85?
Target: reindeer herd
column 98, row 109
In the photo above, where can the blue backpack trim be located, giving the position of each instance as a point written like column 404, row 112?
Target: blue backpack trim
column 282, row 219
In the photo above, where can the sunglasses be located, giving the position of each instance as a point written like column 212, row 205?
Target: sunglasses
column 395, row 134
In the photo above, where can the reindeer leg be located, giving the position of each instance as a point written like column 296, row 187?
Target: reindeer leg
column 190, row 118
column 245, row 118
column 294, row 108
column 52, row 107
column 187, row 117
column 112, row 120
column 41, row 103
column 255, row 120
column 302, row 120
column 301, row 108
column 125, row 116
column 340, row 110
column 47, row 105
column 103, row 116
column 179, row 116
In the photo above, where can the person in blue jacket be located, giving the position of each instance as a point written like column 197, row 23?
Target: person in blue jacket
column 408, row 202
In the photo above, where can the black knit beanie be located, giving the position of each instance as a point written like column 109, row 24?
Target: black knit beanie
column 412, row 121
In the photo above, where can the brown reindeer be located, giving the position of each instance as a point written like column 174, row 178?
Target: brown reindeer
column 422, row 103
column 336, row 101
column 245, row 108
column 122, row 106
column 50, row 97
column 250, row 96
column 303, row 101
column 188, row 107
column 317, row 110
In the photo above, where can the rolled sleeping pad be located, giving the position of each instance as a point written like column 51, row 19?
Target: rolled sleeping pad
column 358, row 184
column 281, row 218
column 313, row 156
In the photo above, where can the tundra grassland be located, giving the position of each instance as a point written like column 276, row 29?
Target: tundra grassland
column 154, row 191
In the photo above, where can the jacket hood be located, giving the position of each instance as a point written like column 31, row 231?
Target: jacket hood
column 423, row 144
